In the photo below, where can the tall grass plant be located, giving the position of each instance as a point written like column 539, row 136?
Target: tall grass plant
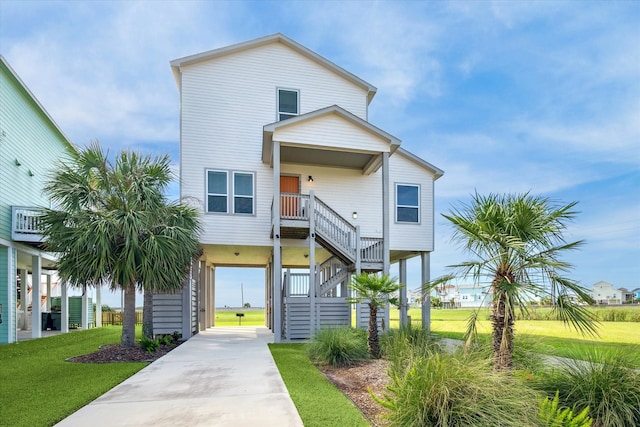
column 338, row 346
column 602, row 383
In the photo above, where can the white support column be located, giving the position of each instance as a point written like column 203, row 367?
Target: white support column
column 358, row 306
column 24, row 291
column 186, row 301
column 10, row 310
column 404, row 320
column 386, row 234
column 202, row 301
column 212, row 296
column 85, row 308
column 97, row 322
column 426, row 298
column 268, row 295
column 36, row 316
column 48, row 300
column 313, row 310
column 64, row 307
column 277, row 254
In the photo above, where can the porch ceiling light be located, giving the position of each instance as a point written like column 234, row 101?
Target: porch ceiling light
column 236, row 253
column 354, row 215
column 310, row 179
column 18, row 163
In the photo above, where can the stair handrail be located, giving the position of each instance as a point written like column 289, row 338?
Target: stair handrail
column 335, row 227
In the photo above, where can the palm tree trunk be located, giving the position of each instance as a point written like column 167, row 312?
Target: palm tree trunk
column 373, row 340
column 502, row 322
column 147, row 314
column 129, row 321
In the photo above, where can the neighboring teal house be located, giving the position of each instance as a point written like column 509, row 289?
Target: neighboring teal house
column 31, row 143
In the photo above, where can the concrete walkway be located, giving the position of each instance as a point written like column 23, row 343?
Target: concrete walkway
column 224, row 376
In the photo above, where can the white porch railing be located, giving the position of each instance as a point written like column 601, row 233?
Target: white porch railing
column 25, row 224
column 335, row 228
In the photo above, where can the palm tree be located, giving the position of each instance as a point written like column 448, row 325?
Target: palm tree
column 375, row 290
column 115, row 226
column 516, row 242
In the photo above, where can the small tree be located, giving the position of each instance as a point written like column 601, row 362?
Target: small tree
column 516, row 242
column 375, row 290
column 115, row 226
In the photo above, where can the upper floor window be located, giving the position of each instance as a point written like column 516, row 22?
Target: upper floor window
column 243, row 192
column 217, row 191
column 288, row 103
column 407, row 203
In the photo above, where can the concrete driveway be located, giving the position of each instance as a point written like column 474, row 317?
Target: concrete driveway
column 224, row 376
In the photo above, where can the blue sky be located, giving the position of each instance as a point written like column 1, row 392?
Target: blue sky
column 503, row 96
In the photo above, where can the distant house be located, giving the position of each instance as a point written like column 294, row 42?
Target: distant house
column 636, row 294
column 604, row 293
column 464, row 296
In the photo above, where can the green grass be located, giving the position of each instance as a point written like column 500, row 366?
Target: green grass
column 546, row 336
column 228, row 317
column 39, row 388
column 319, row 403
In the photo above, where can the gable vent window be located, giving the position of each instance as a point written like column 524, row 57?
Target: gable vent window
column 288, row 103
column 407, row 203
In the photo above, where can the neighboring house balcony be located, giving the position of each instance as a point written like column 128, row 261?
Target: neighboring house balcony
column 25, row 225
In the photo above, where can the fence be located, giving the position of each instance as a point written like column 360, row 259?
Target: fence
column 115, row 317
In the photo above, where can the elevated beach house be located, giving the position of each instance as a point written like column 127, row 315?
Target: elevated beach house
column 30, row 145
column 277, row 151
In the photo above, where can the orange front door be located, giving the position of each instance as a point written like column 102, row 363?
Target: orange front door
column 289, row 204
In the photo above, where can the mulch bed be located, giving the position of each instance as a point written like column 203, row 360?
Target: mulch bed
column 112, row 353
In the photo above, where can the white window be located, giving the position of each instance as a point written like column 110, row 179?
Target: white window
column 243, row 193
column 241, row 188
column 288, row 103
column 217, row 191
column 408, row 203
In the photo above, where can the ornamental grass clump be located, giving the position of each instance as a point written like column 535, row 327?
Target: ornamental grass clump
column 338, row 346
column 433, row 388
column 601, row 383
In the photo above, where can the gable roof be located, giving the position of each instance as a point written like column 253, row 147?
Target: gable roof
column 261, row 41
column 27, row 91
column 373, row 162
column 437, row 172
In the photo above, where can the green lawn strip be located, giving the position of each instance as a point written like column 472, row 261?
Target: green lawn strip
column 573, row 348
column 229, row 318
column 319, row 403
column 39, row 388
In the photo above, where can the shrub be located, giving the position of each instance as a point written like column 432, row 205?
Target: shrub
column 551, row 415
column 166, row 340
column 601, row 383
column 442, row 389
column 338, row 346
column 397, row 343
column 149, row 344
